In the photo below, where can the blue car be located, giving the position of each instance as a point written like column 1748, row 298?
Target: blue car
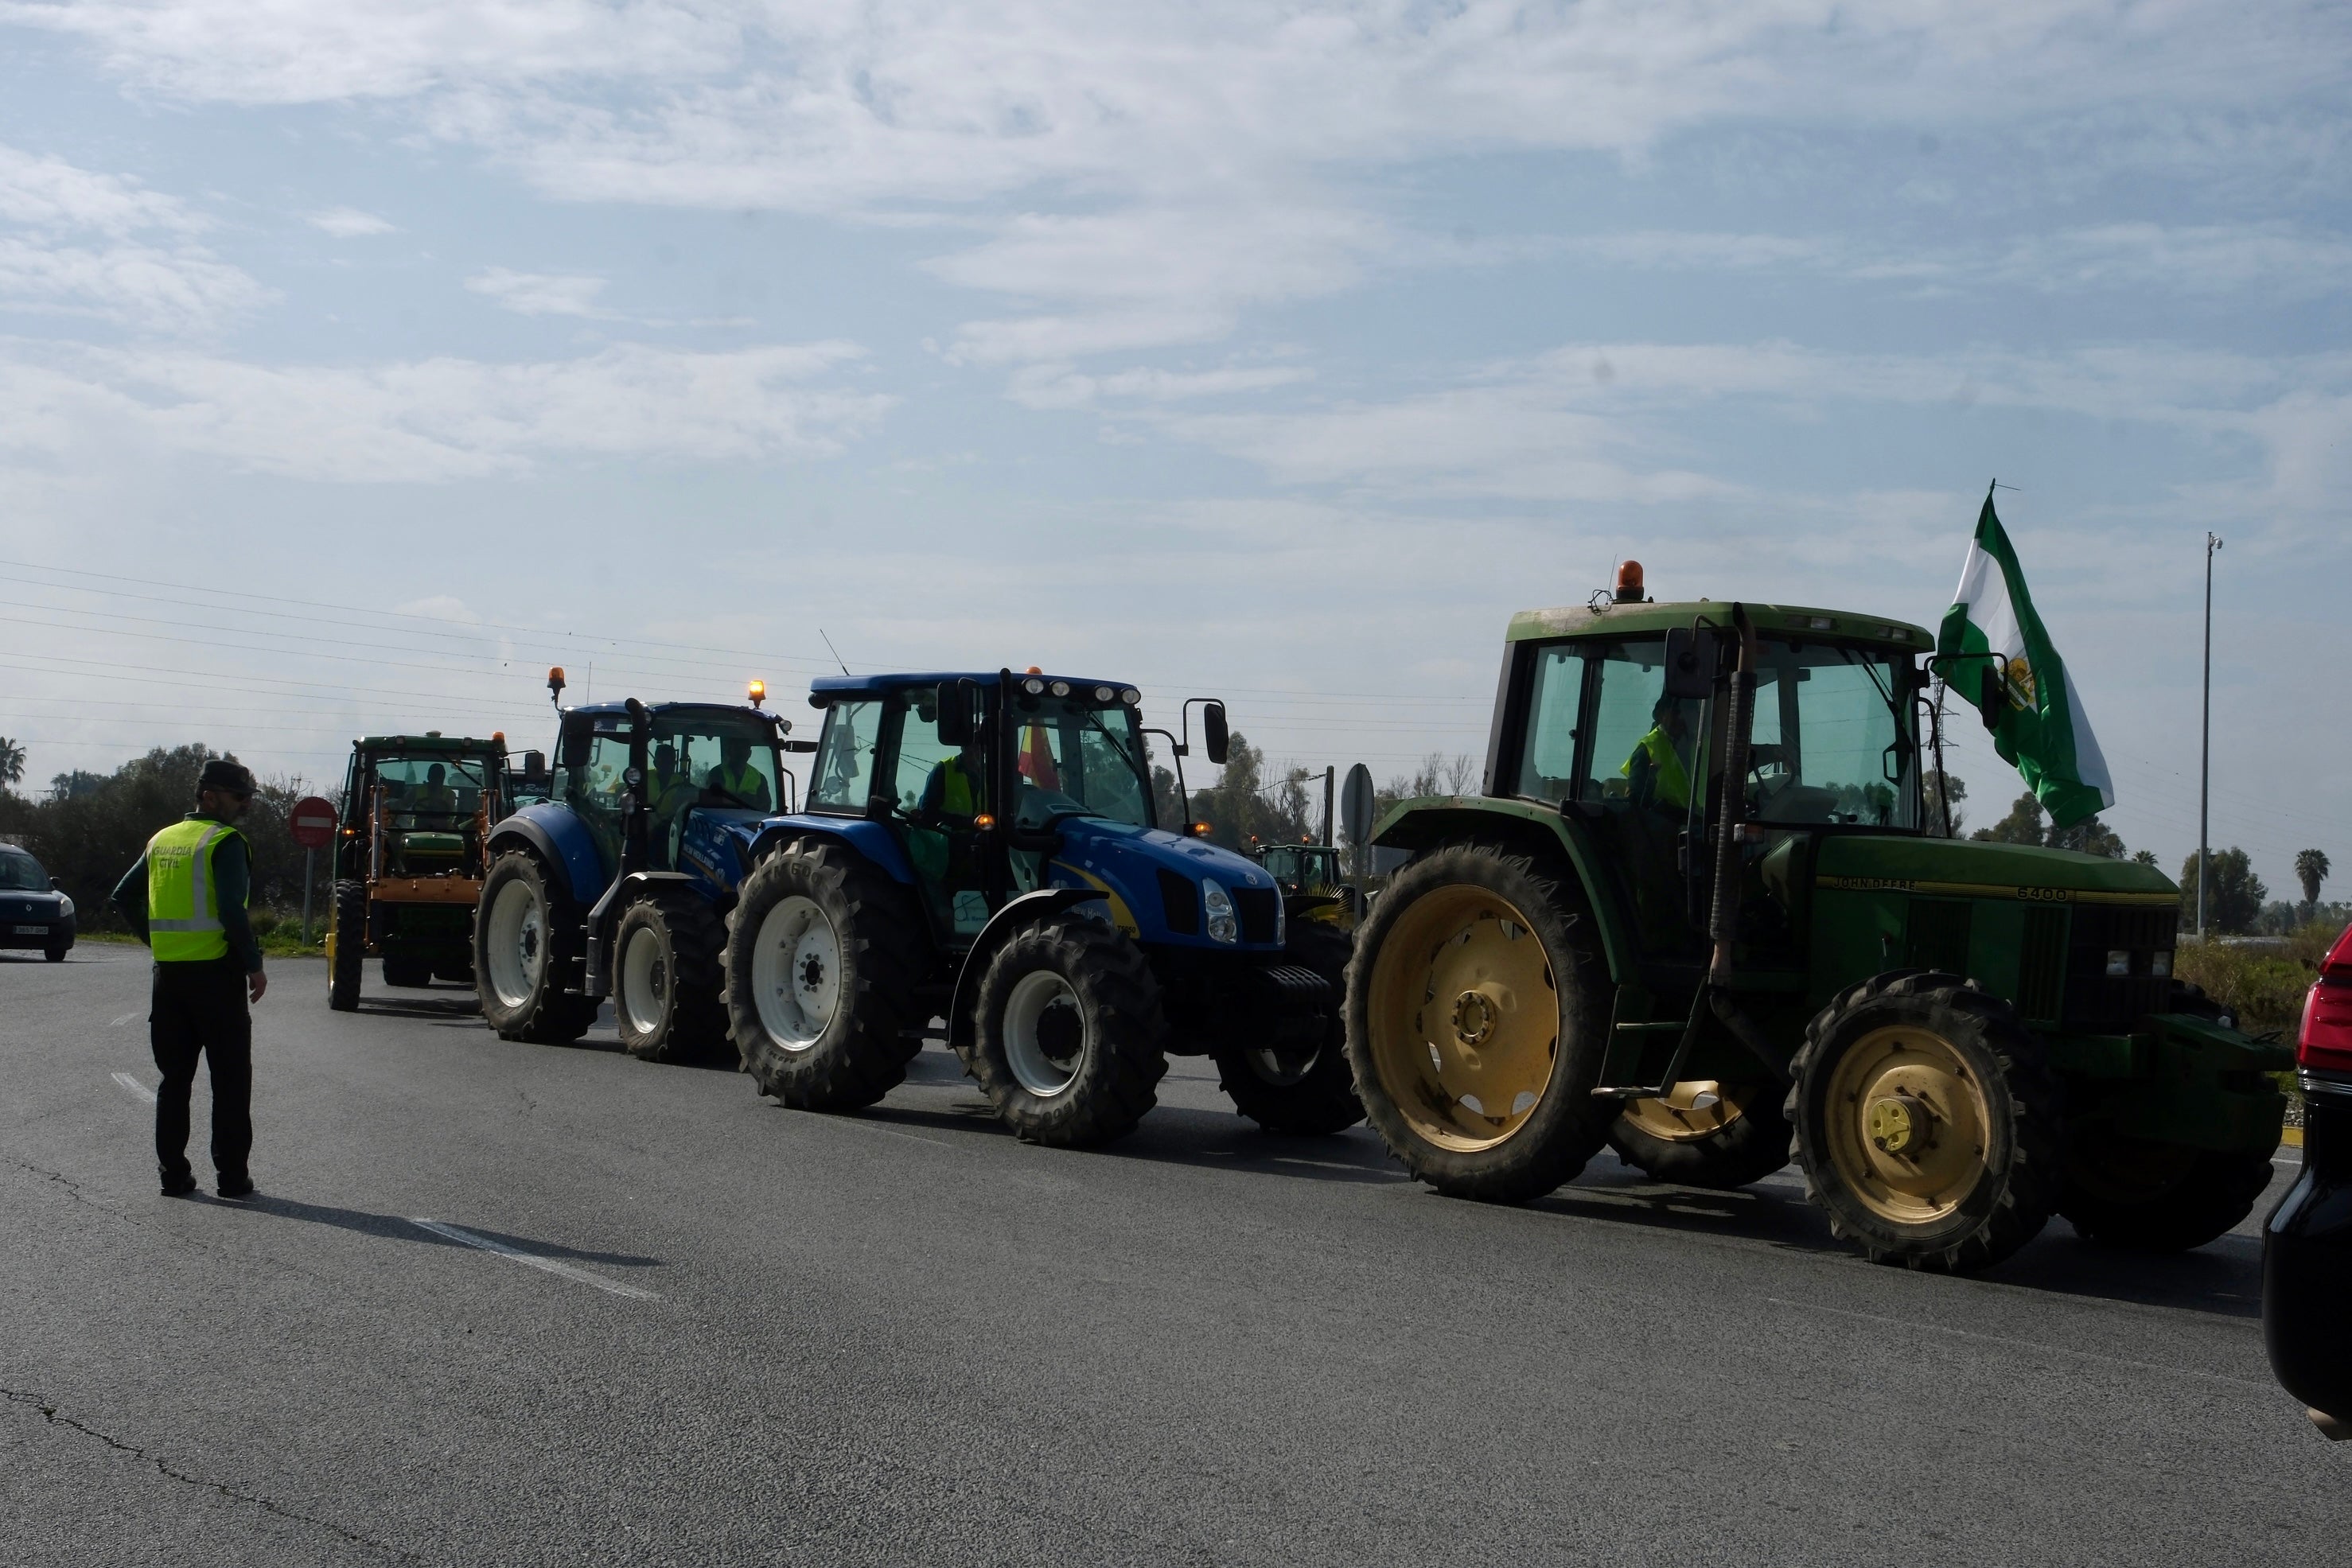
column 33, row 912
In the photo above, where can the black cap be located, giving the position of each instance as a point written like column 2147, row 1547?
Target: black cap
column 222, row 774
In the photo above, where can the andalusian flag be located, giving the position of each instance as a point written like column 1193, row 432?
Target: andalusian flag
column 1992, row 648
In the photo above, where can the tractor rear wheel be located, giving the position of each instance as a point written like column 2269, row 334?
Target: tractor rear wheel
column 666, row 958
column 2156, row 1197
column 522, row 941
column 1927, row 1123
column 1306, row 1090
column 1706, row 1134
column 411, row 973
column 1473, row 1031
column 824, row 952
column 347, row 945
column 1069, row 1041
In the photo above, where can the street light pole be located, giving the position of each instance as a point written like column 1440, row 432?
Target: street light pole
column 2205, row 745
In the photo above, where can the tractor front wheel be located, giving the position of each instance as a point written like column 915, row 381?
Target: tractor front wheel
column 666, row 959
column 1927, row 1123
column 521, row 954
column 346, row 946
column 2156, row 1197
column 1307, row 1089
column 1706, row 1134
column 823, row 956
column 1070, row 1042
column 1475, row 1027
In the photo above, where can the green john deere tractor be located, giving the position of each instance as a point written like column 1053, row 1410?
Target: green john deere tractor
column 1696, row 914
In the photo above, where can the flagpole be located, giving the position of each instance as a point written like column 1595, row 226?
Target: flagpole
column 2205, row 745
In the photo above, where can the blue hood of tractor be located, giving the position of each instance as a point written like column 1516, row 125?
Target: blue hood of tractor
column 1155, row 883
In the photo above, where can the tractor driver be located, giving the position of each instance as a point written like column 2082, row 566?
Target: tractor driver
column 435, row 795
column 1659, row 768
column 665, row 780
column 736, row 776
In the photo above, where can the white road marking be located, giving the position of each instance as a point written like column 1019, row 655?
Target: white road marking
column 126, row 1018
column 135, row 1087
column 578, row 1276
column 889, row 1132
column 1913, row 1325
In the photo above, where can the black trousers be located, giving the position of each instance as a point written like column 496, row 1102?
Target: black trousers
column 198, row 1010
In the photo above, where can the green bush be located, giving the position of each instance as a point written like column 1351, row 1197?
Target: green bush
column 2264, row 985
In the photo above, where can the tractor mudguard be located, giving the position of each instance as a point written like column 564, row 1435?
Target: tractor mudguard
column 1023, row 910
column 1432, row 819
column 869, row 839
column 561, row 840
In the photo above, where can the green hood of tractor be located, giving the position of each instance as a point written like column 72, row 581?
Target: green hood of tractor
column 1968, row 869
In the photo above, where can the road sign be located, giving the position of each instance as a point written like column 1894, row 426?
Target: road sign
column 1356, row 803
column 312, row 822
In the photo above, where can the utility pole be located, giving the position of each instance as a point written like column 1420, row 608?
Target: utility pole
column 2205, row 745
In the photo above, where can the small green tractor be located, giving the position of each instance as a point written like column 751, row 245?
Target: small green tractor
column 408, row 859
column 1698, row 913
column 1313, row 886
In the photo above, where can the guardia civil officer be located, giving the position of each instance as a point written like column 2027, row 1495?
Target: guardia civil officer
column 186, row 899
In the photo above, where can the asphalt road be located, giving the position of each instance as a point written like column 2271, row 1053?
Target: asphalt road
column 745, row 1334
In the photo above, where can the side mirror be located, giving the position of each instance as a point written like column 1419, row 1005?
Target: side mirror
column 1214, row 740
column 55, row 885
column 571, row 751
column 1690, row 665
column 955, row 712
column 535, row 764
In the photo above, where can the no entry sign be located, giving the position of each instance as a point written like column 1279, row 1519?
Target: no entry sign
column 312, row 821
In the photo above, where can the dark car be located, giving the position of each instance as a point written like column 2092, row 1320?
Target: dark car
column 2307, row 1245
column 33, row 913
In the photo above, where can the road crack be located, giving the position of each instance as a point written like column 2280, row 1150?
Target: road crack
column 51, row 1414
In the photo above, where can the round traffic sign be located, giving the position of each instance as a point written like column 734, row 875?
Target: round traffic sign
column 1356, row 803
column 312, row 822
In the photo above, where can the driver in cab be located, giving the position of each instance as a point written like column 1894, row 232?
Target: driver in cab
column 736, row 777
column 1659, row 769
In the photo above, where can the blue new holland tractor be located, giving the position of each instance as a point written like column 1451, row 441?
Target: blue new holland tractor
column 615, row 879
column 983, row 850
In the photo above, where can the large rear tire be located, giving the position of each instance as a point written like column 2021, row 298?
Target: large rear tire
column 524, row 936
column 1706, row 1134
column 1069, row 1040
column 823, row 953
column 347, row 946
column 1927, row 1123
column 1475, row 1024
column 2156, row 1197
column 1301, row 1091
column 669, row 954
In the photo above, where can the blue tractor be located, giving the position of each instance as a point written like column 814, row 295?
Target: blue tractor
column 983, row 850
column 615, row 878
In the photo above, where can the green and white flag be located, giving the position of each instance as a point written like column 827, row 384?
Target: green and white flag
column 1992, row 648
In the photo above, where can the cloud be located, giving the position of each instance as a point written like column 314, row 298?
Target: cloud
column 541, row 294
column 1173, row 167
column 1061, row 386
column 437, row 420
column 74, row 241
column 350, row 223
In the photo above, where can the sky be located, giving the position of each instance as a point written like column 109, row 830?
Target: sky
column 358, row 362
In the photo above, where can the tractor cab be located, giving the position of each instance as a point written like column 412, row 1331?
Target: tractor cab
column 408, row 857
column 657, row 787
column 982, row 788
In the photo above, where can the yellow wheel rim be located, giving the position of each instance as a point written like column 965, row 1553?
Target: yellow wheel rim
column 1906, row 1122
column 1690, row 1110
column 1463, row 1018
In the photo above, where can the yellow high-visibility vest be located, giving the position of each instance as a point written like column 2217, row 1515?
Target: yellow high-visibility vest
column 1674, row 779
column 183, row 923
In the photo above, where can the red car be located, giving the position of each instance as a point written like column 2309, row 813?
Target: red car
column 2307, row 1244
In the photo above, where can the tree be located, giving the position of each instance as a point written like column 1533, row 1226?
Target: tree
column 2145, row 857
column 2233, row 894
column 2023, row 825
column 2091, row 837
column 2311, row 868
column 1241, row 806
column 1955, row 792
column 12, row 762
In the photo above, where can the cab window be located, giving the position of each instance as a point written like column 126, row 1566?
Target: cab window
column 1555, row 702
column 843, row 779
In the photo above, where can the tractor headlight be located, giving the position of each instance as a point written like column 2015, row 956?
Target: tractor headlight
column 2160, row 963
column 2118, row 961
column 1223, row 926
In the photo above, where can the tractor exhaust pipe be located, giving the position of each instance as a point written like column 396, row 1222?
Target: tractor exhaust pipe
column 1739, row 728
